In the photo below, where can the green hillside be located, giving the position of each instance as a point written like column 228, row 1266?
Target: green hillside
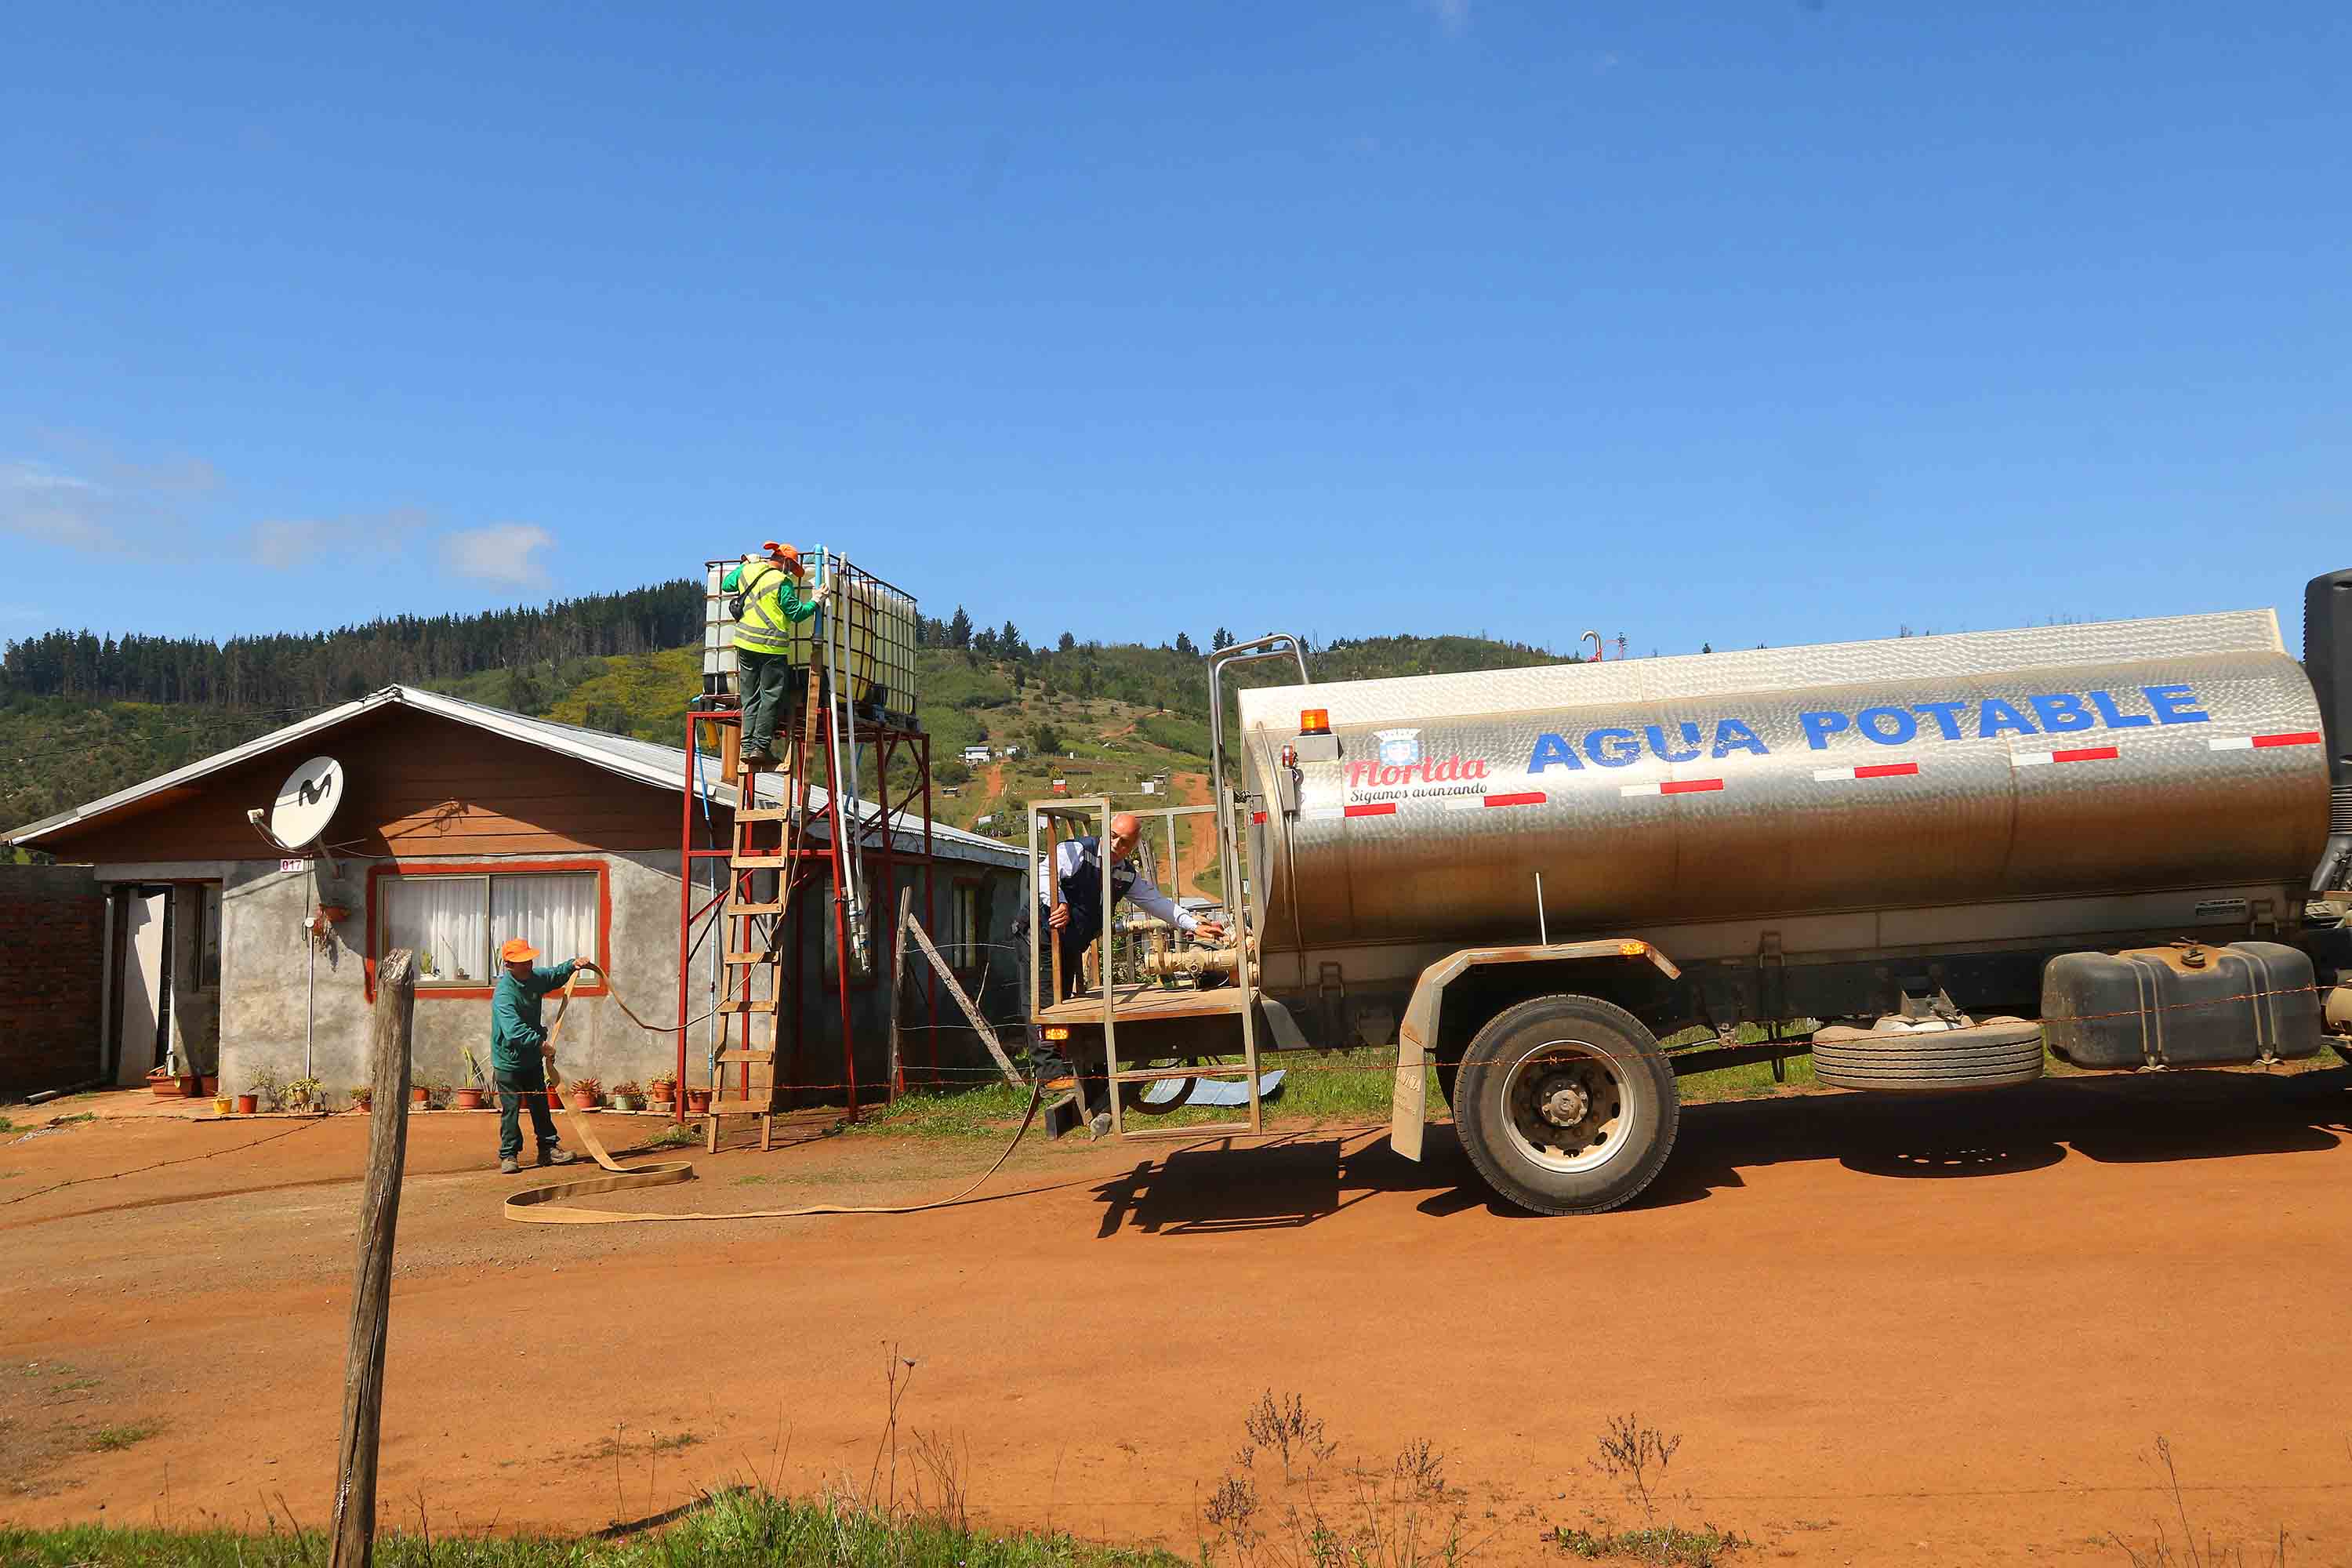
column 1102, row 718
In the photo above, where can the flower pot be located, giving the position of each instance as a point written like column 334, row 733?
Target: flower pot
column 220, row 1105
column 419, row 1095
column 249, row 1104
column 697, row 1102
column 364, row 1106
column 162, row 1084
column 627, row 1102
column 212, row 1083
column 191, row 1086
column 554, row 1100
column 467, row 1099
column 583, row 1100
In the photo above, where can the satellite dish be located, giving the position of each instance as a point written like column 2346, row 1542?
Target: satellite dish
column 307, row 802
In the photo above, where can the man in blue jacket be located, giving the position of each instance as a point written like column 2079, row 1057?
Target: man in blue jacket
column 519, row 1049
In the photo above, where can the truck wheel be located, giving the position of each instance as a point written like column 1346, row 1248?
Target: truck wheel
column 1995, row 1054
column 1566, row 1105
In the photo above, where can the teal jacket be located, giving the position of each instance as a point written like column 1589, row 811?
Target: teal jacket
column 516, row 1033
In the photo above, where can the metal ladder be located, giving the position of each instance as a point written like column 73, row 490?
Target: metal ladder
column 763, row 843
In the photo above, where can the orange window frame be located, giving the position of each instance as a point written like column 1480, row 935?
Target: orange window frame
column 376, row 873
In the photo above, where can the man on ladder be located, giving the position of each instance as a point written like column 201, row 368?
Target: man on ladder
column 769, row 590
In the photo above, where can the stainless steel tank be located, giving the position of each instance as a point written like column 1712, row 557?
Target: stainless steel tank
column 1988, row 766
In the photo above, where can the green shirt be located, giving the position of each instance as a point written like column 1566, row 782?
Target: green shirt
column 771, row 603
column 516, row 1033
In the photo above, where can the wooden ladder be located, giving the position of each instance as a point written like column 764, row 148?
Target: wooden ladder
column 743, row 1074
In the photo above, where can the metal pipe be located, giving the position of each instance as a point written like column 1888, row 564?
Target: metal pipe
column 1543, row 936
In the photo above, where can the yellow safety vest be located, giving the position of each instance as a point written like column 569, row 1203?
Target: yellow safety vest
column 764, row 627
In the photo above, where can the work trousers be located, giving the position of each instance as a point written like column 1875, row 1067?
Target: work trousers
column 761, row 680
column 1087, row 1065
column 515, row 1090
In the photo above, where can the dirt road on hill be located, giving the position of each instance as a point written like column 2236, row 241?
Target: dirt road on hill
column 1886, row 1331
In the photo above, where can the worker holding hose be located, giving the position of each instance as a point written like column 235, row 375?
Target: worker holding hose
column 768, row 589
column 520, row 1052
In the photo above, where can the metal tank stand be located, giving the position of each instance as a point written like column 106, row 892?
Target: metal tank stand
column 1142, row 1006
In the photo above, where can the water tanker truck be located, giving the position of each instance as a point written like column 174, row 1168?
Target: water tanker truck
column 1930, row 855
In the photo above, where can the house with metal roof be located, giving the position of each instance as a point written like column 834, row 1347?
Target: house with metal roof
column 460, row 826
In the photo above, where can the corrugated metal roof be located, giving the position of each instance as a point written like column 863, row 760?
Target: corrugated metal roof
column 641, row 762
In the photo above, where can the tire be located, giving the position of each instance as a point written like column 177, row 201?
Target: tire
column 1996, row 1054
column 1577, row 1055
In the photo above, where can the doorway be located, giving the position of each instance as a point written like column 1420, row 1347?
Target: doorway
column 142, row 981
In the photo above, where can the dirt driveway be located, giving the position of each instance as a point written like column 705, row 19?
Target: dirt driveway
column 1885, row 1331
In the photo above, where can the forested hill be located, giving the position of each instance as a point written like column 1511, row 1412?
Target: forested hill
column 309, row 669
column 83, row 714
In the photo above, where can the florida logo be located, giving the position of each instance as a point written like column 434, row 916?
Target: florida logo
column 1399, row 748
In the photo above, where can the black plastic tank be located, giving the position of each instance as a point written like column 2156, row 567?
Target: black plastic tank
column 2183, row 1005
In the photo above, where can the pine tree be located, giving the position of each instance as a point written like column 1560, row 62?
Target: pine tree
column 1220, row 639
column 1184, row 646
column 960, row 629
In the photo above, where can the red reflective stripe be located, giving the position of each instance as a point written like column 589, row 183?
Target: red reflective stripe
column 1690, row 786
column 2298, row 738
column 1885, row 770
column 1385, row 808
column 1256, row 817
column 2086, row 755
column 1528, row 797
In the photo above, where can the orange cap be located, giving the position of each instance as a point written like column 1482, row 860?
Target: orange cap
column 783, row 552
column 518, row 950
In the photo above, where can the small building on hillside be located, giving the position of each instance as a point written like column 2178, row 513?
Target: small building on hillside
column 461, row 825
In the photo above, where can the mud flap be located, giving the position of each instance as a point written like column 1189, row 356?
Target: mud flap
column 1408, row 1100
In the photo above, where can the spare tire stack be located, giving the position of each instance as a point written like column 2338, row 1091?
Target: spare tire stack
column 1995, row 1054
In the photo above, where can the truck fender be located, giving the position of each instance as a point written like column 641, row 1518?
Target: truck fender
column 1417, row 1032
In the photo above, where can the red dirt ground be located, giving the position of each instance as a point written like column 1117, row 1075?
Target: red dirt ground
column 1887, row 1331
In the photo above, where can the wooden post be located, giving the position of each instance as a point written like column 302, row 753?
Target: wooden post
column 899, row 982
column 354, row 1521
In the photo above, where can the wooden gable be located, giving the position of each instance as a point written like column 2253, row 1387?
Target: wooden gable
column 415, row 784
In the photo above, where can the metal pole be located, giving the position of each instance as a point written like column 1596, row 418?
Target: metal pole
column 1543, row 936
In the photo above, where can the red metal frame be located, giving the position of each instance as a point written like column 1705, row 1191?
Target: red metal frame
column 798, row 870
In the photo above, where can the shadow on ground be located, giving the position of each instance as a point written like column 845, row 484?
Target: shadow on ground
column 1217, row 1186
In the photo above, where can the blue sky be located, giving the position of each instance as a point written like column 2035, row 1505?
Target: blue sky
column 1741, row 322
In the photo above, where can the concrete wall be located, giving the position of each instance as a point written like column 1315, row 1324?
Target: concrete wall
column 52, row 979
column 271, row 980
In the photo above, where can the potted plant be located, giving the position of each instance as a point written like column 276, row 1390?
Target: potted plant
column 697, row 1102
column 627, row 1096
column 662, row 1090
column 433, row 1094
column 221, row 1104
column 263, row 1095
column 584, row 1093
column 162, row 1082
column 301, row 1095
column 468, row 1095
column 362, row 1096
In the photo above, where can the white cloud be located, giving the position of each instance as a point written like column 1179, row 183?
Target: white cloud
column 97, row 499
column 287, row 542
column 1454, row 15
column 39, row 503
column 502, row 552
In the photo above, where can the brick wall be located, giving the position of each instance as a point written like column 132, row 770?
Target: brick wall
column 52, row 955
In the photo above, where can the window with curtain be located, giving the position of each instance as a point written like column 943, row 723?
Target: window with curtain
column 444, row 920
column 457, row 923
column 554, row 911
